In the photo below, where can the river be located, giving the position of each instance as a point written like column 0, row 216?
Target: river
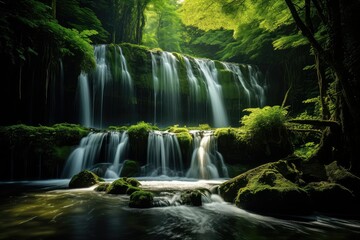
column 48, row 210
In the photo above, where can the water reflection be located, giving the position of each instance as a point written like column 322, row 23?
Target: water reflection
column 86, row 214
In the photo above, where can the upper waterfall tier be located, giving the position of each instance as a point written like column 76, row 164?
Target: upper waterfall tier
column 131, row 83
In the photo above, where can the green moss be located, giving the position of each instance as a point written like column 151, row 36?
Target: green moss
column 331, row 198
column 138, row 137
column 268, row 188
column 132, row 189
column 102, row 187
column 117, row 128
column 124, row 186
column 119, row 186
column 130, row 169
column 84, row 179
column 340, row 175
column 132, row 181
column 141, row 199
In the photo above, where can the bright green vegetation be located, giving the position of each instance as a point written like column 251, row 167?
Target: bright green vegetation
column 84, row 179
column 264, row 123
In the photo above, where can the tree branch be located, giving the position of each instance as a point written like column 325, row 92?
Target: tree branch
column 317, row 123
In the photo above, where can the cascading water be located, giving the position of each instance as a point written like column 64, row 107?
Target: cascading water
column 101, row 152
column 166, row 83
column 253, row 91
column 206, row 161
column 178, row 90
column 85, row 100
column 163, row 155
column 209, row 73
column 107, row 95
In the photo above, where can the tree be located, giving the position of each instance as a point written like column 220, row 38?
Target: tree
column 328, row 26
column 163, row 28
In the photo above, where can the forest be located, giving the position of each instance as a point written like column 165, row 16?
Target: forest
column 246, row 109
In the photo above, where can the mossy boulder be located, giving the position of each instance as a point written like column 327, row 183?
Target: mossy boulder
column 331, row 198
column 229, row 189
column 122, row 186
column 84, row 179
column 130, row 169
column 269, row 188
column 338, row 174
column 102, row 187
column 141, row 199
column 191, row 198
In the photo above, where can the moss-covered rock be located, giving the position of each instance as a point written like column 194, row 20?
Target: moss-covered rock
column 124, row 186
column 102, row 187
column 229, row 189
column 269, row 188
column 132, row 189
column 132, row 181
column 191, row 198
column 119, row 186
column 270, row 192
column 331, row 198
column 141, row 199
column 84, row 179
column 340, row 175
column 130, row 169
column 138, row 137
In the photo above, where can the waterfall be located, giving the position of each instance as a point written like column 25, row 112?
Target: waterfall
column 254, row 92
column 163, row 155
column 209, row 73
column 206, row 161
column 167, row 89
column 101, row 152
column 85, row 100
column 194, row 107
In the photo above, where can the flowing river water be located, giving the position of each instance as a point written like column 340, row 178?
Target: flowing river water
column 48, row 210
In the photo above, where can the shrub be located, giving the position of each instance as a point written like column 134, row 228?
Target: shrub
column 263, row 123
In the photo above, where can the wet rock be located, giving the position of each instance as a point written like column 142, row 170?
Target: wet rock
column 84, row 179
column 331, row 197
column 141, row 199
column 124, row 186
column 269, row 188
column 191, row 198
column 129, row 169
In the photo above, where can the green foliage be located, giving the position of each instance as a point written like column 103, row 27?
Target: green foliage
column 74, row 14
column 163, row 28
column 38, row 29
column 306, row 150
column 263, row 123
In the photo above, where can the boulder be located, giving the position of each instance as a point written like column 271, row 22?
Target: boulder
column 130, row 169
column 191, row 198
column 338, row 174
column 331, row 198
column 84, row 179
column 123, row 186
column 141, row 199
column 270, row 188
